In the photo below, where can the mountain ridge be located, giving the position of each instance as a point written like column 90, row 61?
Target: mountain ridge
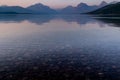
column 14, row 9
column 40, row 8
column 82, row 8
column 43, row 9
column 112, row 9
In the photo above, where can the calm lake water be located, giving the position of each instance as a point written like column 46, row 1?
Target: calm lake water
column 59, row 47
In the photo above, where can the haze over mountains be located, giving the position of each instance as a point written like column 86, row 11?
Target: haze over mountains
column 43, row 9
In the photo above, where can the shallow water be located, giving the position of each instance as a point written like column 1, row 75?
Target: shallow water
column 59, row 47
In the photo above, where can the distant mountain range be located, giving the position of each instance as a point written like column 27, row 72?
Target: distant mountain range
column 13, row 10
column 33, row 9
column 111, row 9
column 82, row 8
column 40, row 8
column 43, row 9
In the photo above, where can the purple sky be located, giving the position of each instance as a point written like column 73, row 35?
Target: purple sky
column 51, row 3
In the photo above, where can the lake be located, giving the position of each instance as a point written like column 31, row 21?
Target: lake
column 59, row 47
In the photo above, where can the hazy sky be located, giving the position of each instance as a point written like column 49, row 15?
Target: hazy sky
column 51, row 3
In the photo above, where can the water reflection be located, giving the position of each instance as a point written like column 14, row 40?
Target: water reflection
column 115, row 22
column 58, row 47
column 40, row 19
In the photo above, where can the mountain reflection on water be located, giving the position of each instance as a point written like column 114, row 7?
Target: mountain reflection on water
column 59, row 47
column 41, row 19
column 111, row 21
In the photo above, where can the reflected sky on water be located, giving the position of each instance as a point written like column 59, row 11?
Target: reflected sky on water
column 69, row 47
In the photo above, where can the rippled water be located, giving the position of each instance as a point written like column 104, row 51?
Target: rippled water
column 59, row 47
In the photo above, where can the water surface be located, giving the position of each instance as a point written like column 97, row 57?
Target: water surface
column 64, row 47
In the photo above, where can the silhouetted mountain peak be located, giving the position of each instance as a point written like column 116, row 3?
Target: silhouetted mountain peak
column 40, row 8
column 82, row 5
column 38, row 5
column 69, row 7
column 103, row 3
